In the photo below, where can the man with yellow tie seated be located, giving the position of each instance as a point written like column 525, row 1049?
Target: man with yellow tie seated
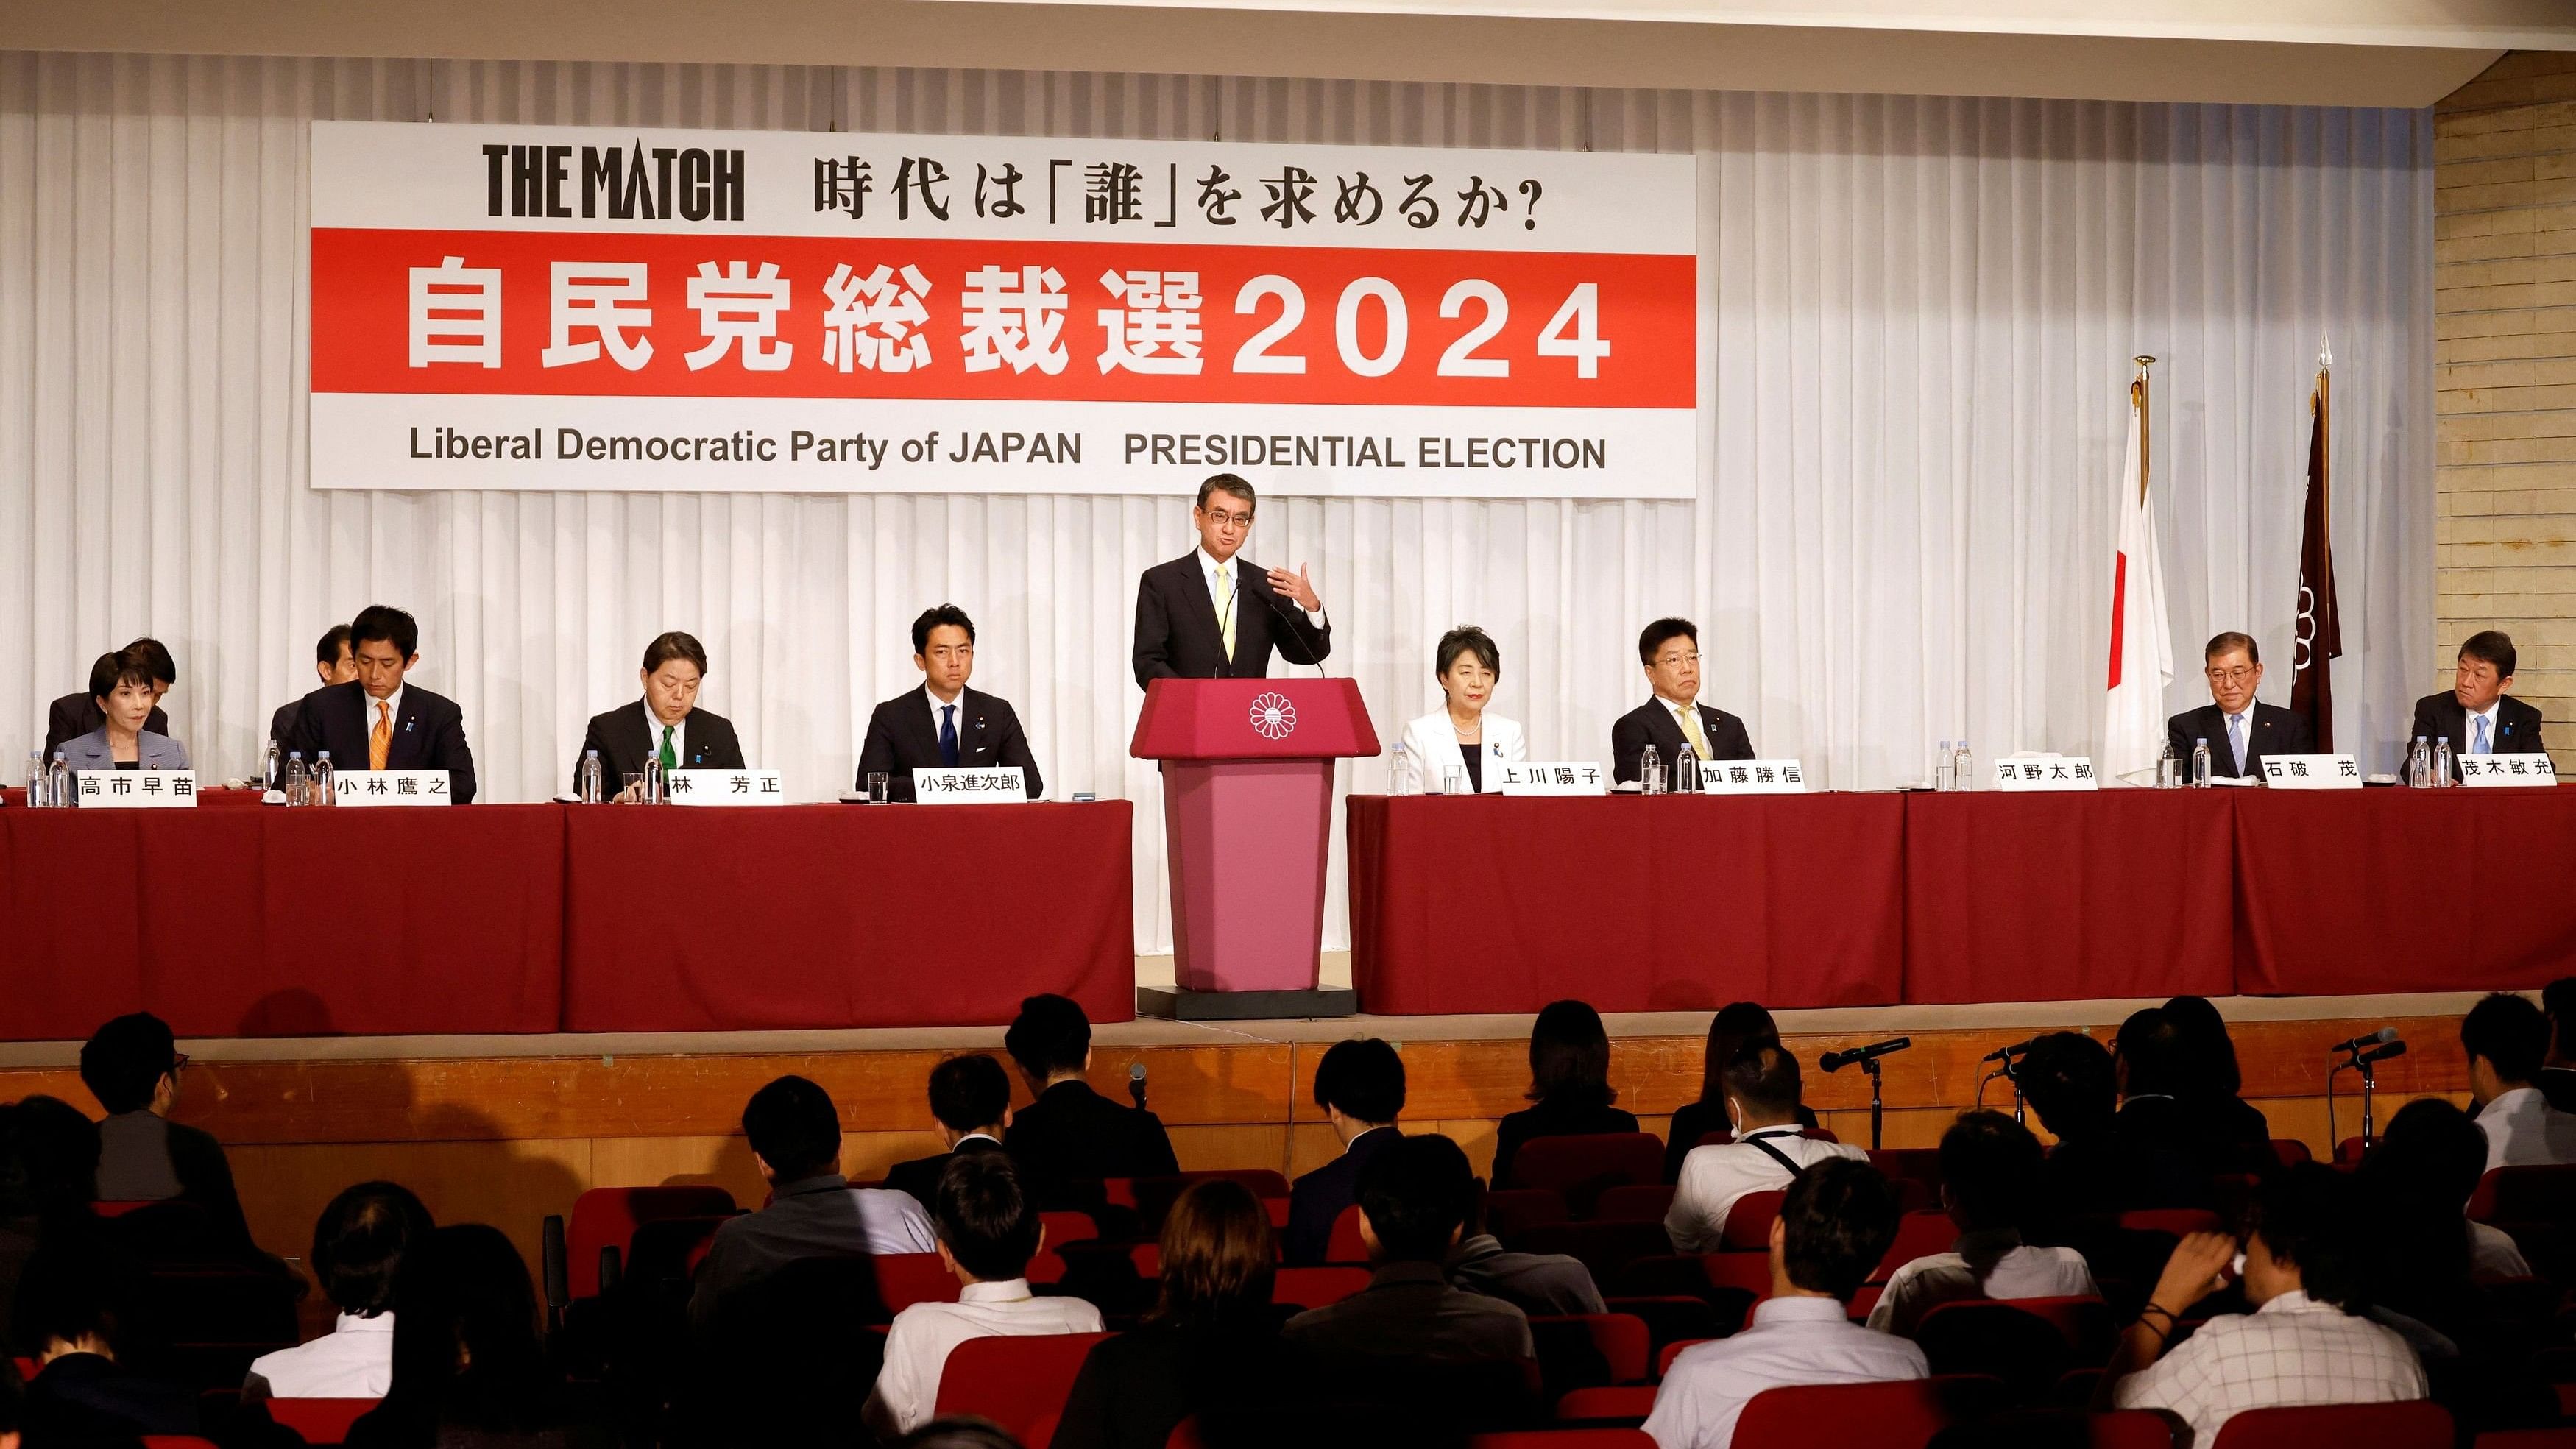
column 378, row 722
column 1669, row 648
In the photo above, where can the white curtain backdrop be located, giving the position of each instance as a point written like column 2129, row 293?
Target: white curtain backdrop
column 1920, row 314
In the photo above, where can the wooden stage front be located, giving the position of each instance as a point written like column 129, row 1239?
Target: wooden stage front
column 509, row 1129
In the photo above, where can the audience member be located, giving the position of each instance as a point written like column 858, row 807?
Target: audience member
column 2506, row 1039
column 958, row 1431
column 970, row 1098
column 1570, row 1093
column 2228, row 1133
column 13, row 1401
column 2558, row 1073
column 1835, row 1225
column 358, row 1245
column 2423, row 1253
column 48, row 1177
column 1211, row 1348
column 1071, row 1136
column 1737, row 1025
column 1762, row 1093
column 1360, row 1086
column 2070, row 1084
column 988, row 1231
column 813, row 1212
column 132, row 1065
column 469, row 1368
column 1538, row 1284
column 72, row 1310
column 1990, row 1170
column 2159, row 1147
column 2304, row 1343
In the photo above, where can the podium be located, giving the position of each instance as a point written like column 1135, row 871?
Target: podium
column 1247, row 816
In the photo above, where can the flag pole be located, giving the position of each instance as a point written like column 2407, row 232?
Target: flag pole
column 2325, row 425
column 2140, row 394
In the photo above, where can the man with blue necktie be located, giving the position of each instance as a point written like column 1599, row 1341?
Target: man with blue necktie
column 2474, row 714
column 944, row 725
column 2240, row 731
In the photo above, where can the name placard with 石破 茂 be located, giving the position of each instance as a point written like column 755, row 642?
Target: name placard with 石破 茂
column 392, row 787
column 2505, row 770
column 1552, row 777
column 1752, row 777
column 2046, row 772
column 2311, row 772
column 135, row 789
column 999, row 785
column 723, row 787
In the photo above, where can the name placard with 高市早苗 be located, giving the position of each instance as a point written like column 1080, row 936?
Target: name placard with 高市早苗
column 135, row 789
column 563, row 308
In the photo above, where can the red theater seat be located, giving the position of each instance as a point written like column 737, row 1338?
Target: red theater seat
column 1018, row 1383
column 2416, row 1425
column 320, row 1421
column 1316, row 1287
column 1583, row 1167
column 904, row 1279
column 607, row 1217
column 1564, row 1439
column 1748, row 1222
column 1902, row 1415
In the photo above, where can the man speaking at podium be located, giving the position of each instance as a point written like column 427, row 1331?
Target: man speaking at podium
column 1212, row 615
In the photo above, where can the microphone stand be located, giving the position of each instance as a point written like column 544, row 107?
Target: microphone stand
column 1877, row 1109
column 2363, row 1063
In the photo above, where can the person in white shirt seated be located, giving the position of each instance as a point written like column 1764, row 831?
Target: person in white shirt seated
column 2506, row 1039
column 2300, row 1345
column 1990, row 1173
column 1770, row 1148
column 988, row 1231
column 1462, row 737
column 358, row 1242
column 1835, row 1225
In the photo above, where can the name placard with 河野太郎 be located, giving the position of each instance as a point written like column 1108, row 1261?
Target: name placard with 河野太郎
column 134, row 789
column 723, row 787
column 2487, row 771
column 392, row 787
column 1553, row 777
column 2311, row 772
column 2046, row 772
column 1752, row 777
column 998, row 785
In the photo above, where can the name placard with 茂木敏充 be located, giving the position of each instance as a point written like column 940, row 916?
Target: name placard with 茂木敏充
column 2311, row 772
column 998, row 785
column 2046, row 772
column 135, row 789
column 2497, row 770
column 391, row 787
column 723, row 787
column 1752, row 777
column 1553, row 777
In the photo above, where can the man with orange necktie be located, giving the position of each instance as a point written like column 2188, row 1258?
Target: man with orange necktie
column 376, row 721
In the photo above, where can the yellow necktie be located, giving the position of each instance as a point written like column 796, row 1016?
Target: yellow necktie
column 1691, row 730
column 1225, row 608
column 380, row 740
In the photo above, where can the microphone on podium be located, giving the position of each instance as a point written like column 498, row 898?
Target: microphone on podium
column 1836, row 1061
column 1136, row 1084
column 2381, row 1037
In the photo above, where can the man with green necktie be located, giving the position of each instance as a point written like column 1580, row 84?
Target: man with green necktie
column 667, row 724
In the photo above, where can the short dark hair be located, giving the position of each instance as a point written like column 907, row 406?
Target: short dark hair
column 2510, row 1033
column 2558, row 1002
column 124, row 1060
column 2494, row 646
column 1990, row 1168
column 1836, row 1223
column 931, row 618
column 48, row 1160
column 385, row 622
column 2067, row 1078
column 2430, row 1147
column 1764, row 1077
column 463, row 1295
column 1050, row 1035
column 1466, row 639
column 1737, row 1025
column 1569, row 1056
column 1417, row 1193
column 675, row 645
column 985, row 1215
column 156, row 658
column 326, row 650
column 1217, row 1254
column 123, row 666
column 969, row 1092
column 70, row 1288
column 1228, row 483
column 2207, row 1052
column 2306, row 1217
column 2220, row 643
column 956, row 1431
column 1663, row 632
column 1363, row 1077
column 2149, row 1048
column 794, row 1127
column 358, row 1244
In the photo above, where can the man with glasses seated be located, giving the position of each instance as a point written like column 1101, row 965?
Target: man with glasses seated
column 1669, row 649
column 2240, row 730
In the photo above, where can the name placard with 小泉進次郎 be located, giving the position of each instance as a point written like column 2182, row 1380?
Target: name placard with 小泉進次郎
column 2311, row 772
column 1752, row 777
column 134, row 789
column 723, row 787
column 998, row 785
column 1553, row 777
column 2487, row 771
column 2046, row 772
column 392, row 787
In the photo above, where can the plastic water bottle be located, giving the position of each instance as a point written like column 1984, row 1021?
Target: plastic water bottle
column 36, row 791
column 326, row 781
column 653, row 786
column 272, row 769
column 299, row 785
column 62, row 790
column 2199, row 764
column 1686, row 772
column 1943, row 762
column 1963, row 768
column 2168, row 769
column 2419, row 765
column 2442, row 764
column 1650, row 772
column 1399, row 772
column 591, row 788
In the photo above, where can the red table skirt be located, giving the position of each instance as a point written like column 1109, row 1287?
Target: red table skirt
column 838, row 915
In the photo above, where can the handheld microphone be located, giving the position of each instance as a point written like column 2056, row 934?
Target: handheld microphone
column 1270, row 596
column 2380, row 1037
column 1136, row 1084
column 1836, row 1061
column 2381, row 1054
column 2007, row 1053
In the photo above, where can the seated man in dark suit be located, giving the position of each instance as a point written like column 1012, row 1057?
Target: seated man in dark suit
column 1360, row 1086
column 668, row 724
column 74, row 1314
column 376, row 721
column 132, row 1065
column 971, row 1098
column 1071, row 1137
column 944, row 725
column 1210, row 614
column 1669, row 649
column 2159, row 1143
column 332, row 665
column 2558, row 1072
column 2240, row 731
column 2475, row 714
column 75, row 715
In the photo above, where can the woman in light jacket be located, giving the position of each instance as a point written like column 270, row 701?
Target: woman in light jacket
column 122, row 683
column 1461, row 738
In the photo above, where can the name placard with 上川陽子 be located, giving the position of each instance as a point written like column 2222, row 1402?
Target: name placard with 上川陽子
column 1553, row 777
column 2046, row 772
column 2311, row 772
column 997, row 785
column 134, row 789
column 392, row 787
column 2507, row 771
column 1752, row 777
column 723, row 787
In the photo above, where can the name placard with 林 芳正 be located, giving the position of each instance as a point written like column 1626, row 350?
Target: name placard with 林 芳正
column 1552, row 777
column 391, row 787
column 996, row 785
column 2046, row 772
column 1752, row 777
column 723, row 787
column 135, row 789
column 2311, row 772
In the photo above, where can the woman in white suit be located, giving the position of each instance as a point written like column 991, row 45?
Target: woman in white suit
column 122, row 684
column 1461, row 738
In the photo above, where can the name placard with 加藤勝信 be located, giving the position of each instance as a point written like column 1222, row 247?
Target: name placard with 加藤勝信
column 2046, row 772
column 999, row 785
column 1752, row 777
column 2485, row 771
column 391, row 787
column 1552, row 777
column 135, row 789
column 723, row 787
column 2311, row 772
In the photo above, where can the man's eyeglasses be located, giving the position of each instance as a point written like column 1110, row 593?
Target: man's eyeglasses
column 1226, row 519
column 2230, row 676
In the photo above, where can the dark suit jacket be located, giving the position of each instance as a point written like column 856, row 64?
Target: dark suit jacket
column 920, row 1176
column 624, row 744
column 281, row 725
column 1071, row 1137
column 2272, row 731
column 1319, row 1197
column 903, row 736
column 1409, row 1311
column 75, row 715
column 1652, row 724
column 1550, row 1119
column 1136, row 1387
column 430, row 735
column 1177, row 635
column 2442, row 715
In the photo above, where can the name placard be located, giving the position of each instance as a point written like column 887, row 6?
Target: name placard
column 2479, row 770
column 2311, row 772
column 723, row 787
column 135, row 789
column 2046, row 772
column 1752, row 777
column 997, row 785
column 391, row 787
column 1553, row 777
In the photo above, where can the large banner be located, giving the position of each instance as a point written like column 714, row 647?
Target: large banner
column 516, row 307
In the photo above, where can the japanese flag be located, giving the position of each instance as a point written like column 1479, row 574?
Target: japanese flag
column 2133, row 725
